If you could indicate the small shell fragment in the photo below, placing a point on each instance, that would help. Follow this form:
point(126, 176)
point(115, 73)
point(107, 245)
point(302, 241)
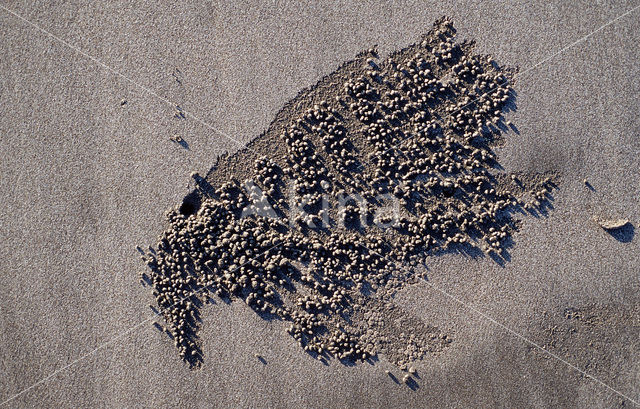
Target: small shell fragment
point(611, 224)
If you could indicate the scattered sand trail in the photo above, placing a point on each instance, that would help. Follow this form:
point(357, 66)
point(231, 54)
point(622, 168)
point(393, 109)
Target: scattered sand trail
point(384, 159)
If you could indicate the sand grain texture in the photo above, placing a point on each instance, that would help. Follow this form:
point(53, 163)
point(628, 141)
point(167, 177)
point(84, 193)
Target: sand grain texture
point(85, 179)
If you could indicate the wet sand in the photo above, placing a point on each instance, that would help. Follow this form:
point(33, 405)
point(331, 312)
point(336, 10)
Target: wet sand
point(86, 179)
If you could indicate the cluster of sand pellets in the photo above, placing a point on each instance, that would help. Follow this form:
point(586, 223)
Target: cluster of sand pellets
point(323, 218)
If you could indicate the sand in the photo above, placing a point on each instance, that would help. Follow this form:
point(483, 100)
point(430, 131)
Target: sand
point(85, 179)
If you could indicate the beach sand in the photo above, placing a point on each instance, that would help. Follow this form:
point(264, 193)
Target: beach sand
point(86, 178)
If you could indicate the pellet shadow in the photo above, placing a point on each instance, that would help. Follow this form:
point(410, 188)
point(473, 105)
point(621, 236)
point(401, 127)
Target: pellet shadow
point(412, 384)
point(183, 144)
